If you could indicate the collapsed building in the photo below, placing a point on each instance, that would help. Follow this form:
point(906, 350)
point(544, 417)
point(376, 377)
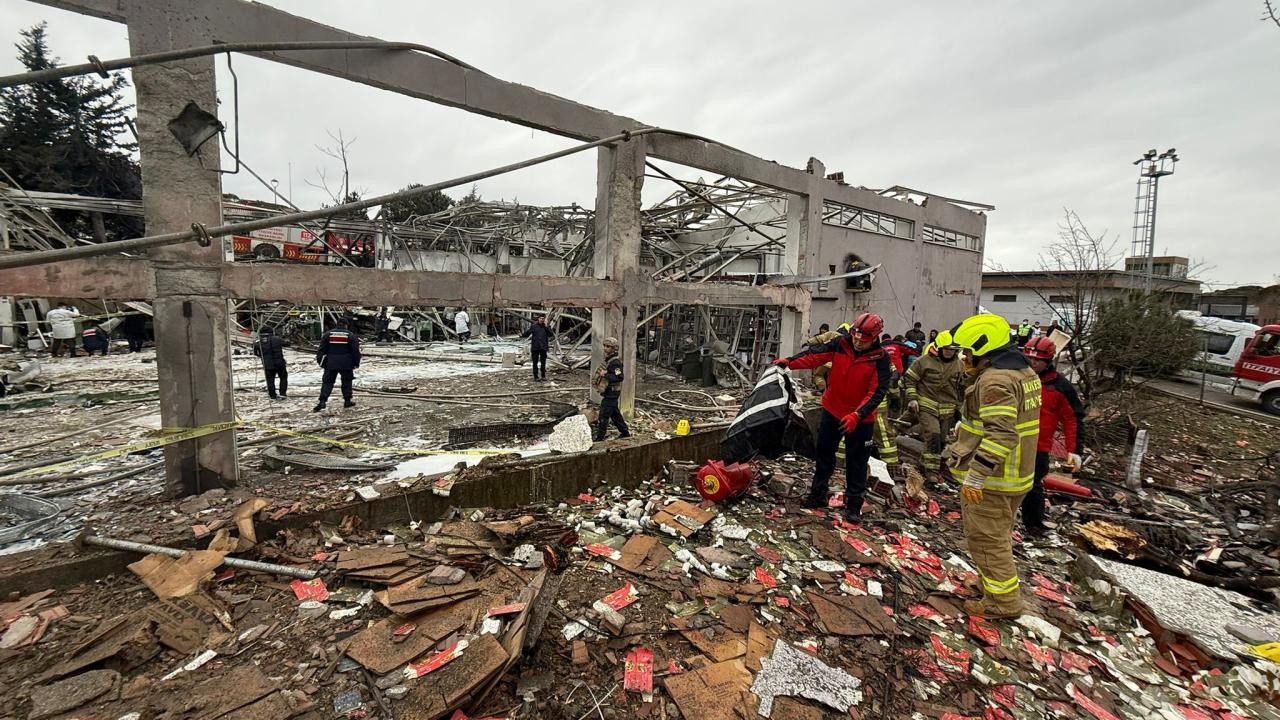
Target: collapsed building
point(192, 549)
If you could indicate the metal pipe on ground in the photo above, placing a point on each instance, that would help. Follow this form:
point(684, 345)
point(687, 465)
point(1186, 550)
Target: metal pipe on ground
point(146, 548)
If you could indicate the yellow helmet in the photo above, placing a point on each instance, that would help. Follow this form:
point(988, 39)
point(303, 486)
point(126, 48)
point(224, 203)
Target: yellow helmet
point(944, 339)
point(844, 327)
point(981, 334)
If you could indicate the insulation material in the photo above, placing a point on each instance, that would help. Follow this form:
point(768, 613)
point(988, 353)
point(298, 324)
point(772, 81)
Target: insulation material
point(790, 671)
point(1198, 611)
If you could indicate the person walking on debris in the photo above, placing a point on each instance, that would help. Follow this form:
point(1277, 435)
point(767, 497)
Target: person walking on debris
point(539, 344)
point(134, 327)
point(462, 324)
point(608, 382)
point(95, 339)
point(339, 354)
point(994, 456)
point(916, 335)
point(857, 384)
point(381, 325)
point(270, 347)
point(935, 388)
point(1060, 406)
point(62, 326)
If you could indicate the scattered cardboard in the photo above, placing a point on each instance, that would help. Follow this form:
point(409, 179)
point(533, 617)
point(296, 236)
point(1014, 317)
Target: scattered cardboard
point(710, 693)
point(760, 641)
point(175, 577)
point(415, 596)
point(642, 554)
point(456, 684)
point(720, 647)
point(683, 517)
point(243, 517)
point(852, 616)
point(381, 650)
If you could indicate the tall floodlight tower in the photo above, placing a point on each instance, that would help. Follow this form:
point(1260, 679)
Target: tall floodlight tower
point(1151, 167)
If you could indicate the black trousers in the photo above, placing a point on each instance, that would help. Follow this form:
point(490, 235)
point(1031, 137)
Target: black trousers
point(326, 384)
point(1033, 502)
point(857, 450)
point(135, 342)
point(101, 350)
point(609, 411)
point(283, 374)
point(58, 343)
point(539, 361)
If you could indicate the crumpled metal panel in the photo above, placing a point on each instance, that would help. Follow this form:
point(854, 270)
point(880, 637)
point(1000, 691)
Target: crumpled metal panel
point(1197, 611)
point(33, 513)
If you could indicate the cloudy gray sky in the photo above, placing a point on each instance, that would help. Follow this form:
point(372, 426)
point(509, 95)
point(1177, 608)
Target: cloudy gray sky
point(1031, 107)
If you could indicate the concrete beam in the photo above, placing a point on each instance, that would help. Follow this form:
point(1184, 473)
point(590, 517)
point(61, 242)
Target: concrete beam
point(108, 278)
point(440, 81)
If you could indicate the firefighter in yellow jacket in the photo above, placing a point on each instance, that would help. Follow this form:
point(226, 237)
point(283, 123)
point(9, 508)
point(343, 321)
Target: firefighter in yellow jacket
point(935, 389)
point(994, 456)
point(823, 337)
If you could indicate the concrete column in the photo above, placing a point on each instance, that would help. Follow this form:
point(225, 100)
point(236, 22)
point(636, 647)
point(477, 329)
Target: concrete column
point(803, 243)
point(193, 348)
point(619, 177)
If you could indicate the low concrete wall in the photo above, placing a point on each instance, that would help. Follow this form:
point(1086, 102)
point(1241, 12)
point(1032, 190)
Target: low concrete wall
point(544, 479)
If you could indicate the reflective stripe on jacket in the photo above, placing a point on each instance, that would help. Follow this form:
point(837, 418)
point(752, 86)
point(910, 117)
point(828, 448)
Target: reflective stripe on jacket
point(936, 384)
point(1000, 425)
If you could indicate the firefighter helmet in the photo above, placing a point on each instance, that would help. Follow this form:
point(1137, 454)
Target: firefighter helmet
point(1041, 348)
point(982, 334)
point(944, 339)
point(867, 326)
point(844, 327)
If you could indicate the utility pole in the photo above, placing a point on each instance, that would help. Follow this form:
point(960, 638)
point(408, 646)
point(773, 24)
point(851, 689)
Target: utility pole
point(1151, 167)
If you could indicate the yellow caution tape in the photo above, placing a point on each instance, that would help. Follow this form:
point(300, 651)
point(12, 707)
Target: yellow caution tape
point(1270, 651)
point(169, 436)
point(364, 446)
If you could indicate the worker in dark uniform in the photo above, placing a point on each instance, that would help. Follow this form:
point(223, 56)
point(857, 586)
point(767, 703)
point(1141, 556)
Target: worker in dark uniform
point(339, 354)
point(270, 347)
point(539, 344)
point(134, 328)
point(608, 382)
point(95, 339)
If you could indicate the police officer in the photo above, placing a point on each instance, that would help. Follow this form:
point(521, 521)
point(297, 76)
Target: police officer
point(339, 354)
point(539, 344)
point(270, 347)
point(608, 382)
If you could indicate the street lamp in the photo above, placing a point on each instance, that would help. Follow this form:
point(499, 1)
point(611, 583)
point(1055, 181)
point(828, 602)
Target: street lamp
point(1152, 166)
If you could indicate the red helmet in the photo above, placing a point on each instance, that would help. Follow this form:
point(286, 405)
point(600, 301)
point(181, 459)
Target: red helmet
point(867, 327)
point(1041, 348)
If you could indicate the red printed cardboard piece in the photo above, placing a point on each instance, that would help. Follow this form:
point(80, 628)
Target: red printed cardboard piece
point(435, 662)
point(765, 579)
point(638, 675)
point(506, 609)
point(769, 554)
point(310, 589)
point(984, 631)
point(1092, 707)
point(621, 597)
point(603, 551)
point(859, 545)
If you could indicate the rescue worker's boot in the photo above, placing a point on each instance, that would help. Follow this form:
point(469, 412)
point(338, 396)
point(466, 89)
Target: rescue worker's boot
point(982, 609)
point(814, 501)
point(318, 407)
point(348, 403)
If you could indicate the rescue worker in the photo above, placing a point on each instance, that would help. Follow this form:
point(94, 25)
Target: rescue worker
point(339, 354)
point(539, 344)
point(916, 335)
point(608, 382)
point(1024, 332)
point(95, 339)
point(462, 324)
point(935, 388)
point(1060, 406)
point(994, 456)
point(270, 347)
point(824, 336)
point(134, 328)
point(858, 381)
point(62, 326)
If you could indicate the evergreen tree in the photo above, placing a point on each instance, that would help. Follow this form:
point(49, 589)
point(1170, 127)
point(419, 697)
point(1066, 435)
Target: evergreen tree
point(401, 210)
point(69, 136)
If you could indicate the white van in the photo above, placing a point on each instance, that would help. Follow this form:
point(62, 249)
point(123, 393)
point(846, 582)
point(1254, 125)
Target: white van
point(1221, 341)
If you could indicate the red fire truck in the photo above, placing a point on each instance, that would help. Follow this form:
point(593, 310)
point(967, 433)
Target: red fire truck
point(1258, 368)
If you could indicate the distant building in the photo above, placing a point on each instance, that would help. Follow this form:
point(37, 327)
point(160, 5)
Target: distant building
point(1045, 295)
point(1248, 303)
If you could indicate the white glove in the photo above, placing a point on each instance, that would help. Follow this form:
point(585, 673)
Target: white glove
point(1074, 462)
point(913, 406)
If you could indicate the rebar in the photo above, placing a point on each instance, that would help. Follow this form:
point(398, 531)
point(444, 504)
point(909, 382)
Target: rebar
point(253, 565)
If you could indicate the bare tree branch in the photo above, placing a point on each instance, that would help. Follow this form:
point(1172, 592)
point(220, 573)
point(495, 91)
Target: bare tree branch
point(1270, 13)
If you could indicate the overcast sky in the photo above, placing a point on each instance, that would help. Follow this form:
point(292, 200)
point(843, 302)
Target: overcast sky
point(1028, 106)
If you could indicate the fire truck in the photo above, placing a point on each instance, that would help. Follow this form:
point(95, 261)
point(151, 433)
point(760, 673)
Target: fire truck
point(1258, 368)
point(351, 240)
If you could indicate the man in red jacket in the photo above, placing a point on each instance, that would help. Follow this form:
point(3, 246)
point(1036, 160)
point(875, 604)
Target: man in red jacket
point(1060, 406)
point(858, 381)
